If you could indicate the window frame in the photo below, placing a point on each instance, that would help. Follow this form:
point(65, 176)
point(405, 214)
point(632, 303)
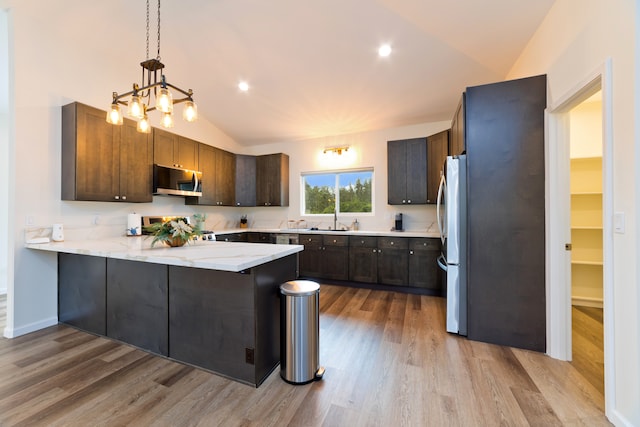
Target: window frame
point(337, 174)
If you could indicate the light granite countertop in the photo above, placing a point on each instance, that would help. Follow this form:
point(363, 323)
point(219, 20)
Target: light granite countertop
point(226, 256)
point(408, 233)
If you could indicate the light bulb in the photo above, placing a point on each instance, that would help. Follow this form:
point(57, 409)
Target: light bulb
point(190, 111)
point(384, 50)
point(143, 125)
point(167, 120)
point(135, 107)
point(164, 101)
point(114, 115)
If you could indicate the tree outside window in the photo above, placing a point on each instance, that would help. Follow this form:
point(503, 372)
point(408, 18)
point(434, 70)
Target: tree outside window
point(340, 192)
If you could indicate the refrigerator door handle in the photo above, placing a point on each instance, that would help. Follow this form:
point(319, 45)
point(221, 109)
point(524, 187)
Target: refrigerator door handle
point(439, 214)
point(442, 263)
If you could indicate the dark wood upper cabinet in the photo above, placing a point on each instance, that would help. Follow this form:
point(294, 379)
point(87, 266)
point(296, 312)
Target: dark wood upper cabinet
point(218, 176)
point(437, 151)
point(245, 180)
point(457, 137)
point(103, 162)
point(272, 180)
point(407, 171)
point(174, 150)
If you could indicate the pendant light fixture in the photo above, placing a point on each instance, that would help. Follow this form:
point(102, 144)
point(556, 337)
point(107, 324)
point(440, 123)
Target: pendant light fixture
point(154, 93)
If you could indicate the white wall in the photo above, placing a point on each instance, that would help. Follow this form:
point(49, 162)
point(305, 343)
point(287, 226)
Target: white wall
point(367, 150)
point(575, 40)
point(586, 130)
point(4, 145)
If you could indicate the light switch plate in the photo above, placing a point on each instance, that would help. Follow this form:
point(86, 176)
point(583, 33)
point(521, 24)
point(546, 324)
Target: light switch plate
point(618, 222)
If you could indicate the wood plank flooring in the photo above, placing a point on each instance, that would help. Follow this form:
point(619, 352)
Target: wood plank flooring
point(588, 344)
point(388, 360)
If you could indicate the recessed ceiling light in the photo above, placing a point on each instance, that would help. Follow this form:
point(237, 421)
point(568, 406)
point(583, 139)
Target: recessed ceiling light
point(243, 86)
point(384, 50)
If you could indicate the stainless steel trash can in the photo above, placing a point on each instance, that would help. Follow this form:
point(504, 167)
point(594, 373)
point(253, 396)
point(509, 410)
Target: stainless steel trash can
point(299, 332)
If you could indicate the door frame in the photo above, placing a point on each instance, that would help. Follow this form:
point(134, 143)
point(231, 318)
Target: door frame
point(558, 218)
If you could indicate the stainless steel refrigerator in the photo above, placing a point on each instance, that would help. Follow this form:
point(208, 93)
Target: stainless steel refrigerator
point(452, 224)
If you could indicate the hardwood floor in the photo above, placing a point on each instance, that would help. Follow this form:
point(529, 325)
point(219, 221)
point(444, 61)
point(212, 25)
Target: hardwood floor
point(388, 362)
point(587, 336)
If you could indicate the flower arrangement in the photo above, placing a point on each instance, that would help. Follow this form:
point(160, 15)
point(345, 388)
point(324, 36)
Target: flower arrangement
point(175, 232)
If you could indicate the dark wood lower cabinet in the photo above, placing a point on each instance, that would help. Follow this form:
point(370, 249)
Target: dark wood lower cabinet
point(137, 304)
point(311, 257)
point(393, 261)
point(423, 267)
point(363, 259)
point(324, 256)
point(226, 322)
point(82, 292)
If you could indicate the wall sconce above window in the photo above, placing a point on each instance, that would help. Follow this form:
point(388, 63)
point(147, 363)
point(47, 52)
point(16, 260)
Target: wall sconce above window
point(335, 150)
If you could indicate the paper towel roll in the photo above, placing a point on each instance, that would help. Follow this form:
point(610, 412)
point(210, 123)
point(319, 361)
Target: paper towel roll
point(134, 226)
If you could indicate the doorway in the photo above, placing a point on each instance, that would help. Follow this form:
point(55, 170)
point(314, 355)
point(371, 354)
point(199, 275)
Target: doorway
point(587, 336)
point(558, 234)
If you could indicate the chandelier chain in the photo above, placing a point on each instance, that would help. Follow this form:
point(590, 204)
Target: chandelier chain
point(158, 57)
point(147, 57)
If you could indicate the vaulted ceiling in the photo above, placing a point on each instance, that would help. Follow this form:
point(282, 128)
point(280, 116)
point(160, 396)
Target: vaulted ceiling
point(312, 65)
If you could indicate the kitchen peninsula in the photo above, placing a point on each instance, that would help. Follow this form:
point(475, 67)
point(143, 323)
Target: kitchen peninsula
point(214, 305)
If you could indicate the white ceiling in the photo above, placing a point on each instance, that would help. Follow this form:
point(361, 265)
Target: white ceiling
point(313, 65)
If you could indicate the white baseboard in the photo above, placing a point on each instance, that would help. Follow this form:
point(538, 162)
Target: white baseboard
point(587, 302)
point(32, 327)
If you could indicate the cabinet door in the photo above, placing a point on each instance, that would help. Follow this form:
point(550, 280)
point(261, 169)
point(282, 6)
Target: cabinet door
point(90, 155)
point(207, 163)
point(174, 150)
point(82, 292)
point(393, 261)
point(335, 257)
point(311, 257)
point(457, 142)
point(437, 151)
point(396, 172)
point(416, 171)
point(423, 267)
point(163, 143)
point(138, 305)
point(245, 182)
point(407, 171)
point(136, 164)
point(186, 153)
point(225, 177)
point(272, 180)
point(363, 259)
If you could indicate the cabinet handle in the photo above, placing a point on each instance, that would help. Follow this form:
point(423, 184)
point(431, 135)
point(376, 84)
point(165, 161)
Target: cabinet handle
point(374, 251)
point(117, 197)
point(124, 197)
point(409, 201)
point(410, 252)
point(237, 204)
point(334, 240)
point(404, 201)
point(392, 243)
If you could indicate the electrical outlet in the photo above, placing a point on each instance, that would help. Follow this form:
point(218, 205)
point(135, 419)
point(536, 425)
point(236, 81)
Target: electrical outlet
point(248, 352)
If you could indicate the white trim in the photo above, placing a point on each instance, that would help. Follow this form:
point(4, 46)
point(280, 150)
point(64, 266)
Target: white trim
point(31, 327)
point(587, 302)
point(558, 287)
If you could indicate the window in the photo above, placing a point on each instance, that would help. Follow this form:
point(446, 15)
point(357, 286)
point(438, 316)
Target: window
point(342, 192)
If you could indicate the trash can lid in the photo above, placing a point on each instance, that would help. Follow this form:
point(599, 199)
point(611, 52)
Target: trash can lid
point(299, 287)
